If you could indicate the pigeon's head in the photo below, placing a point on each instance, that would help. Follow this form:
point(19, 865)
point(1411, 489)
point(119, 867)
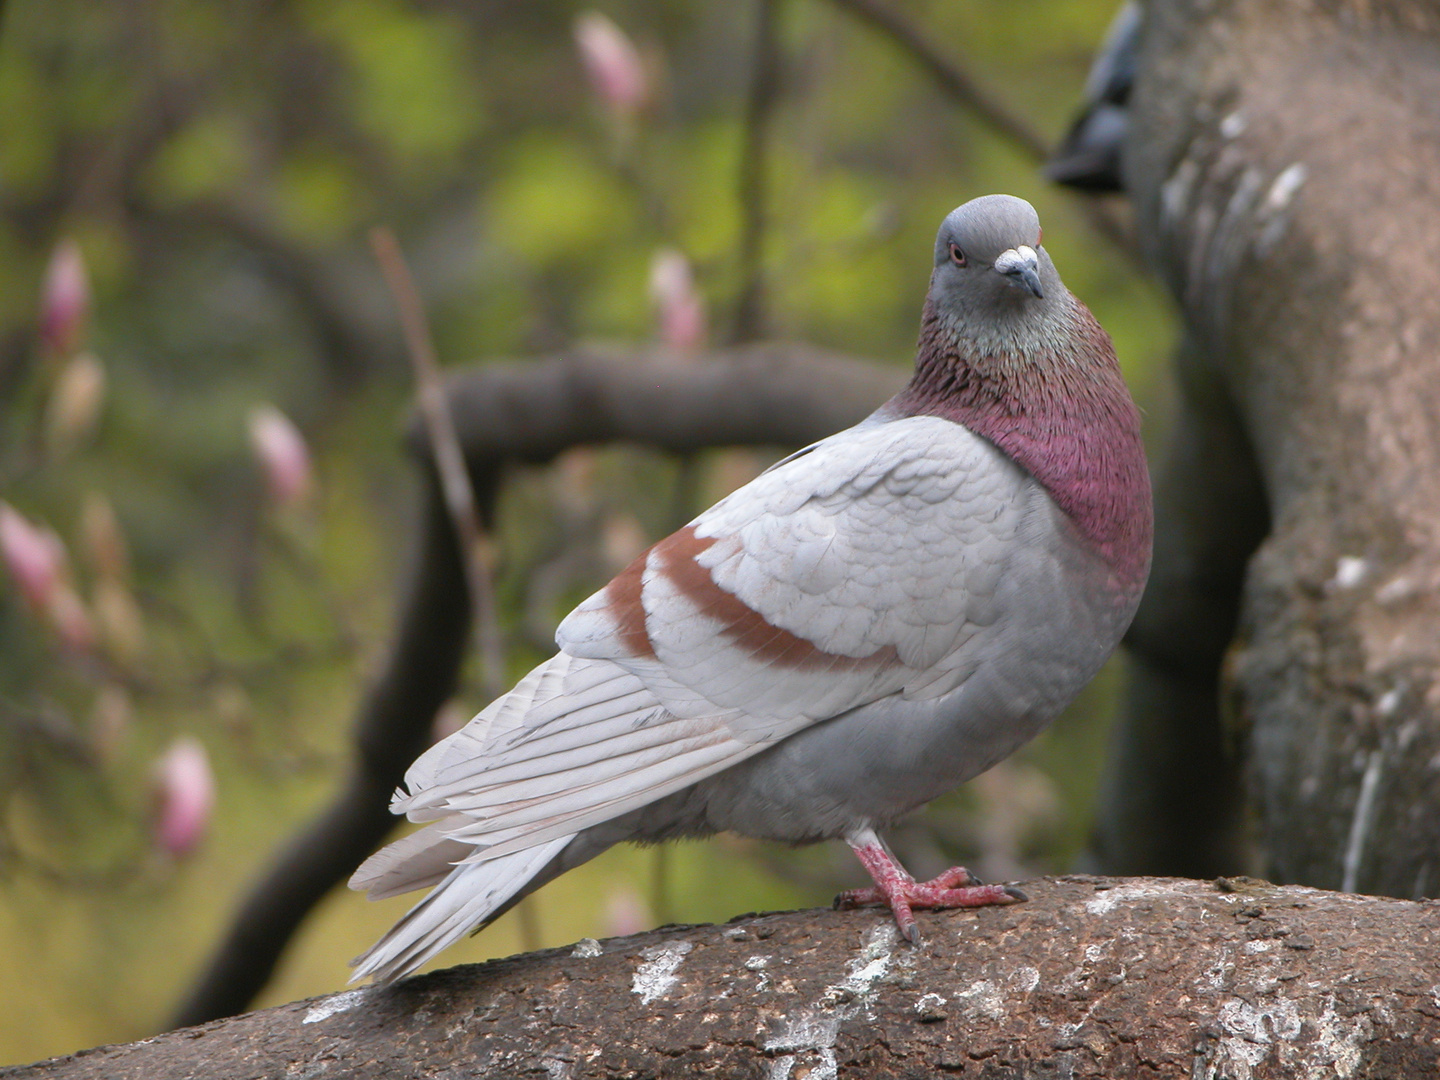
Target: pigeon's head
point(988, 259)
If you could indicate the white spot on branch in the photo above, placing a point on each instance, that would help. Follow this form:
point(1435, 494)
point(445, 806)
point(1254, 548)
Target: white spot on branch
point(1273, 209)
point(339, 1003)
point(1110, 899)
point(587, 947)
point(873, 961)
point(759, 964)
point(654, 978)
point(1024, 979)
point(1339, 1041)
point(1350, 571)
point(1253, 1029)
point(1285, 186)
point(982, 999)
point(805, 1031)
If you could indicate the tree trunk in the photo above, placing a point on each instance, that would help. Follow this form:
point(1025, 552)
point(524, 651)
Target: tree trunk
point(1093, 977)
point(1285, 167)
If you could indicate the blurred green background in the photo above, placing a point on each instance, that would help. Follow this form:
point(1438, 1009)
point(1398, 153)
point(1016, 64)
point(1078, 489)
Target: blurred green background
point(219, 166)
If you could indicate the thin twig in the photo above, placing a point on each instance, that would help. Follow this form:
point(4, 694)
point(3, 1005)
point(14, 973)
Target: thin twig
point(449, 459)
point(957, 81)
point(749, 322)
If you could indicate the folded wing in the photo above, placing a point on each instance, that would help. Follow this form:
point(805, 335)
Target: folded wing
point(859, 568)
point(863, 566)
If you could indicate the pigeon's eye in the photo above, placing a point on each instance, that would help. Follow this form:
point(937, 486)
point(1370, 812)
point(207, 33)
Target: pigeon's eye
point(956, 255)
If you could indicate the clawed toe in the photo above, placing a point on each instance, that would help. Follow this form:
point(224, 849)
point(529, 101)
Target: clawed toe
point(954, 888)
point(853, 898)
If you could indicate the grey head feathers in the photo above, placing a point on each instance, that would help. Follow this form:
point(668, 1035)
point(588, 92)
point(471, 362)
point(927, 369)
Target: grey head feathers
point(986, 227)
point(991, 275)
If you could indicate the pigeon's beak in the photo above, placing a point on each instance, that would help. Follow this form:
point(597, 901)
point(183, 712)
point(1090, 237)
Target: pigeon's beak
point(1021, 266)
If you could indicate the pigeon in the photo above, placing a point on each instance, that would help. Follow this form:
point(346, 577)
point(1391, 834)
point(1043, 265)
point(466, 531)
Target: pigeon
point(873, 620)
point(1089, 157)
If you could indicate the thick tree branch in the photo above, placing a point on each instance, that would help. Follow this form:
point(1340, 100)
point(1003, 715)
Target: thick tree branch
point(1093, 978)
point(1172, 801)
point(503, 413)
point(1281, 159)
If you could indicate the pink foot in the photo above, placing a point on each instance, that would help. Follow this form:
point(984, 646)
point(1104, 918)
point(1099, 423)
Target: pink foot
point(955, 888)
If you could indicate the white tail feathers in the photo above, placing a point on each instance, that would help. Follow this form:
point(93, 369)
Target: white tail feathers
point(577, 743)
point(466, 898)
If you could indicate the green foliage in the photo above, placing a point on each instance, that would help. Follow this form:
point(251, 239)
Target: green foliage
point(219, 166)
point(409, 79)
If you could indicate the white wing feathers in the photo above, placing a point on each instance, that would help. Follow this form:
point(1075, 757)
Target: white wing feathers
point(853, 570)
point(416, 861)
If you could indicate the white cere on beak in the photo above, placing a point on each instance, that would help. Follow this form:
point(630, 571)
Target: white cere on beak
point(1017, 260)
point(1021, 267)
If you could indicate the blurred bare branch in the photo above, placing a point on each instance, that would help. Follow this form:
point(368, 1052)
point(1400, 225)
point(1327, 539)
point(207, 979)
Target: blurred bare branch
point(955, 79)
point(953, 76)
point(448, 457)
point(749, 321)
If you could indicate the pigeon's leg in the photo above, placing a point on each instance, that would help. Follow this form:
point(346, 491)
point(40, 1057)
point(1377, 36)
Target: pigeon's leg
point(895, 887)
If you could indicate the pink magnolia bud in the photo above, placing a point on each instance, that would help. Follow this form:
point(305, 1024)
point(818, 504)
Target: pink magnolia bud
point(680, 308)
point(111, 719)
point(574, 480)
point(280, 449)
point(70, 618)
point(64, 299)
point(101, 538)
point(35, 557)
point(612, 62)
point(451, 717)
point(33, 554)
point(626, 913)
point(185, 797)
point(121, 622)
point(622, 539)
point(74, 404)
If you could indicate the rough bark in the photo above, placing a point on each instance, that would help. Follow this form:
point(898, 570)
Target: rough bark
point(504, 413)
point(1093, 977)
point(1285, 167)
